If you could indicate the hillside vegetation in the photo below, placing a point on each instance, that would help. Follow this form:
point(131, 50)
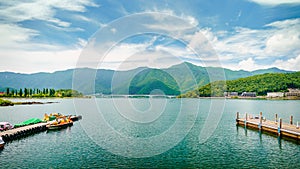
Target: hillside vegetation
point(148, 80)
point(261, 84)
point(182, 78)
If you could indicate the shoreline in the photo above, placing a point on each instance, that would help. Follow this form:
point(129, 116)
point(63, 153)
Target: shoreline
point(5, 103)
point(245, 98)
point(31, 103)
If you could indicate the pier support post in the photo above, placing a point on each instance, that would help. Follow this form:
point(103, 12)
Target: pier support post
point(279, 126)
point(276, 118)
point(291, 120)
point(246, 119)
point(237, 118)
point(260, 121)
point(297, 125)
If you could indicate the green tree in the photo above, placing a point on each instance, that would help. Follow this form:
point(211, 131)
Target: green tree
point(7, 91)
point(51, 92)
point(20, 92)
point(25, 92)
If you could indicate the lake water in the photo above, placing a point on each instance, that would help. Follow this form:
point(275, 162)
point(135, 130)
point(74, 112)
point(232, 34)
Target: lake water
point(152, 133)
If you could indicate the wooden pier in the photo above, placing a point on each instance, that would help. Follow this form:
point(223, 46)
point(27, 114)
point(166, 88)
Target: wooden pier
point(20, 132)
point(276, 127)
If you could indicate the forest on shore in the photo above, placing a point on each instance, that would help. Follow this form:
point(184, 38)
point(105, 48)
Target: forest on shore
point(45, 92)
point(261, 84)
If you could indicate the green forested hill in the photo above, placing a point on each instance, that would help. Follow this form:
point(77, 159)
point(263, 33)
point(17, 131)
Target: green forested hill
point(182, 78)
point(148, 80)
point(261, 84)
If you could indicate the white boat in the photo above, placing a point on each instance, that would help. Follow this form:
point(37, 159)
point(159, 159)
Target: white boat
point(2, 143)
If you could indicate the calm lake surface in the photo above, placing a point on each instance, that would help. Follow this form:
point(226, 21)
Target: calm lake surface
point(152, 133)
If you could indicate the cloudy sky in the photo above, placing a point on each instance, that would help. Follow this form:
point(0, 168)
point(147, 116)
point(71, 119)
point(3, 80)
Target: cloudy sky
point(51, 35)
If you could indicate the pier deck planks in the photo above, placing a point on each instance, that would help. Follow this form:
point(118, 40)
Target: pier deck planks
point(20, 129)
point(287, 130)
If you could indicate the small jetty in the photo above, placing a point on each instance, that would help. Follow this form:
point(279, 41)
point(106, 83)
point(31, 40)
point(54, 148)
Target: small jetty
point(276, 127)
point(17, 133)
point(35, 125)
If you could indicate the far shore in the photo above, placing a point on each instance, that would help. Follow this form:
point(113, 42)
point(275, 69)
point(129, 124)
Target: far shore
point(7, 101)
point(258, 98)
point(249, 98)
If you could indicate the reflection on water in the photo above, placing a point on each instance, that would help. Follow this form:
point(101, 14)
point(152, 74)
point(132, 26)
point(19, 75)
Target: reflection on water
point(279, 142)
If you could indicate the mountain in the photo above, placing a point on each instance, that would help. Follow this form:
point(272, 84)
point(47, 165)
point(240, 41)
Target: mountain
point(261, 84)
point(148, 80)
point(172, 81)
point(270, 70)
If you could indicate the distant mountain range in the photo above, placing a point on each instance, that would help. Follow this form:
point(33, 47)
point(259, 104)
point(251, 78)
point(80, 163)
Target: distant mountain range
point(171, 81)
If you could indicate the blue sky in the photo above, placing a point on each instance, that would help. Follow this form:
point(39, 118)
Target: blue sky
point(50, 35)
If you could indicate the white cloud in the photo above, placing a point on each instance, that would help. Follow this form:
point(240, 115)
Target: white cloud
point(125, 56)
point(201, 41)
point(66, 29)
point(20, 53)
point(16, 38)
point(167, 19)
point(113, 30)
point(276, 40)
point(285, 23)
point(245, 48)
point(292, 63)
point(249, 65)
point(188, 18)
point(12, 34)
point(90, 20)
point(81, 43)
point(38, 61)
point(275, 2)
point(144, 58)
point(285, 37)
point(153, 53)
point(44, 10)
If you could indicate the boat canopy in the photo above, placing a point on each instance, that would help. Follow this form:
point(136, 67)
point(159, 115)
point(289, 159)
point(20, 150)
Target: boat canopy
point(29, 122)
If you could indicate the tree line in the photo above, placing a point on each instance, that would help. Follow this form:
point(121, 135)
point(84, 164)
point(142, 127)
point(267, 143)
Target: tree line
point(45, 92)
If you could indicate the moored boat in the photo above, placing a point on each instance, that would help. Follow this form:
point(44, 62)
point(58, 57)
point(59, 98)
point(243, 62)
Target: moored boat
point(60, 123)
point(75, 118)
point(59, 126)
point(2, 143)
point(5, 126)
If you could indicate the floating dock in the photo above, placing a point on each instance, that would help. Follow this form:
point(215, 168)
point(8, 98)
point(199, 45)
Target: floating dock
point(24, 131)
point(276, 127)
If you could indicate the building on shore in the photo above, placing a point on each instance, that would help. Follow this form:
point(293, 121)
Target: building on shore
point(248, 94)
point(230, 94)
point(293, 92)
point(275, 94)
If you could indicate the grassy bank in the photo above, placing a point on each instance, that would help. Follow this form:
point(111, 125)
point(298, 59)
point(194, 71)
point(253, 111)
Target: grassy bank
point(6, 103)
point(10, 103)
